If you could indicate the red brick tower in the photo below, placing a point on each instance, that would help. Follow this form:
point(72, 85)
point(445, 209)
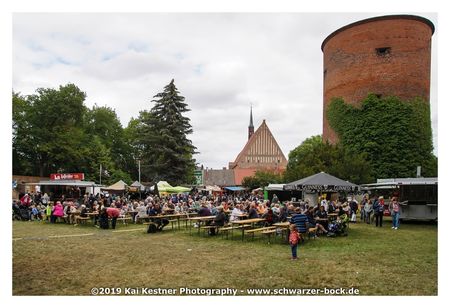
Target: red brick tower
point(386, 55)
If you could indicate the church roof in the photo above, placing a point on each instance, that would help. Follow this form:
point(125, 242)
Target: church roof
point(261, 149)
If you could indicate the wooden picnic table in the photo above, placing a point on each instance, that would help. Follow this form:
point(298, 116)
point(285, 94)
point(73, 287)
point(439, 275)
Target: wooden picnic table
point(199, 219)
point(251, 221)
point(332, 216)
point(241, 216)
point(284, 225)
point(177, 216)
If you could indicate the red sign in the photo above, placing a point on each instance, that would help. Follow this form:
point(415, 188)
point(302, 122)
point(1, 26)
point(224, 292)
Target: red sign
point(67, 176)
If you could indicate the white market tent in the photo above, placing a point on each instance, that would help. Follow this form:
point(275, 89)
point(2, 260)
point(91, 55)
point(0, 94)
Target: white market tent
point(118, 186)
point(138, 185)
point(212, 188)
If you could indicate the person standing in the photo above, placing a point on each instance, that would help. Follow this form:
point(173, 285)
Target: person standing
point(58, 211)
point(48, 211)
point(45, 199)
point(354, 209)
point(395, 212)
point(378, 209)
point(294, 238)
point(368, 211)
point(113, 213)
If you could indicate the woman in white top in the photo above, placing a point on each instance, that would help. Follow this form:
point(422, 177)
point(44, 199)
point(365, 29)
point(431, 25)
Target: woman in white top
point(235, 212)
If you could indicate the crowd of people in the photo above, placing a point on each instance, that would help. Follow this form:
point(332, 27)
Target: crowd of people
point(227, 207)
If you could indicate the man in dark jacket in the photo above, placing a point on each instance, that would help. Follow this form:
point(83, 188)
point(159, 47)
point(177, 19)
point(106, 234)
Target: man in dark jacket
point(204, 211)
point(219, 220)
point(252, 213)
point(153, 213)
point(378, 210)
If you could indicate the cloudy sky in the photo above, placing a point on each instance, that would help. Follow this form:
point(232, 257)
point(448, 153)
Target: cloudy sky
point(221, 63)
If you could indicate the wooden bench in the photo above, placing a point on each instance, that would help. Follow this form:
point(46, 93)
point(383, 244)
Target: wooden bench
point(142, 219)
point(312, 231)
point(172, 221)
point(269, 233)
point(230, 227)
point(207, 228)
point(125, 219)
point(253, 231)
point(259, 229)
point(81, 220)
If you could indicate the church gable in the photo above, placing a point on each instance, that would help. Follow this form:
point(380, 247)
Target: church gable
point(261, 151)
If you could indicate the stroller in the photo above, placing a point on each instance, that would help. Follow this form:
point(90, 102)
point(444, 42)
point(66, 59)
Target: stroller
point(20, 213)
point(338, 227)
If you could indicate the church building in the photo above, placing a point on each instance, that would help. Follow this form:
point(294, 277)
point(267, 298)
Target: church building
point(261, 152)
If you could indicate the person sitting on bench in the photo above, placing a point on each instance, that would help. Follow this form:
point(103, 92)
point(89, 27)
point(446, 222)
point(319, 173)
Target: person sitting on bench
point(153, 213)
point(219, 220)
point(300, 220)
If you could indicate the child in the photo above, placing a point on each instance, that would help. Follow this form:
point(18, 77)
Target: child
point(294, 237)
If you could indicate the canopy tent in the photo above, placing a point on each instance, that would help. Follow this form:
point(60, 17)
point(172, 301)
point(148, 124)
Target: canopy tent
point(137, 186)
point(234, 188)
point(323, 182)
point(276, 187)
point(69, 188)
point(211, 188)
point(177, 189)
point(118, 186)
point(163, 186)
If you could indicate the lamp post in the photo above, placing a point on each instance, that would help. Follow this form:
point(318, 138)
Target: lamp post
point(100, 174)
point(139, 177)
point(139, 170)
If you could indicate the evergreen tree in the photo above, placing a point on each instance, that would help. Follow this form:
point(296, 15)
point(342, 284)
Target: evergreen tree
point(167, 152)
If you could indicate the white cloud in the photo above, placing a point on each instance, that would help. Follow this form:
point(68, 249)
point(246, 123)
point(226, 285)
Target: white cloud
point(220, 62)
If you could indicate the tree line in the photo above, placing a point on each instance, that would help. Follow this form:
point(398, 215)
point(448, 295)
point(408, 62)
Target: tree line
point(55, 132)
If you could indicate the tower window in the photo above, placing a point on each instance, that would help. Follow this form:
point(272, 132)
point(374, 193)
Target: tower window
point(383, 51)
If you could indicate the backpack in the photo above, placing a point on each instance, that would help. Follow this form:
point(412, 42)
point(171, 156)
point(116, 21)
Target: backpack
point(293, 238)
point(152, 228)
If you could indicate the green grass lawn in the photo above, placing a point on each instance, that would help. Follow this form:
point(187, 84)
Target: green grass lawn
point(378, 261)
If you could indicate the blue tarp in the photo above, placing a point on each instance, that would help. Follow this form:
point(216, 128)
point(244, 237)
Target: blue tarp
point(234, 188)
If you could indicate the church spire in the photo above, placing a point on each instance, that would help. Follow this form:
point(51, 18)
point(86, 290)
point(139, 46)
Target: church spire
point(251, 128)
